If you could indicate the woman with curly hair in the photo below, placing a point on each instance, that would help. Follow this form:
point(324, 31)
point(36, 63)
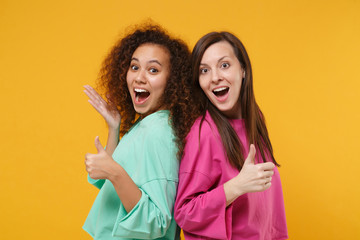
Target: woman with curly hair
point(228, 164)
point(146, 78)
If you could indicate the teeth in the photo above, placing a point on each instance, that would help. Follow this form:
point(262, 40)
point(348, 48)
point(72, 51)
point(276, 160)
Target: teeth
point(139, 90)
point(219, 89)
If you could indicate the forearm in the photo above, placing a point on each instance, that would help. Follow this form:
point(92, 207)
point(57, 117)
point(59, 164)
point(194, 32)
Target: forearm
point(112, 141)
point(125, 187)
point(231, 191)
point(151, 218)
point(200, 214)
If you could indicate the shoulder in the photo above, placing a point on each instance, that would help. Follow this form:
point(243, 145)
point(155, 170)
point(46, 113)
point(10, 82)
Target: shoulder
point(156, 119)
point(204, 150)
point(152, 134)
point(203, 129)
point(157, 126)
point(156, 147)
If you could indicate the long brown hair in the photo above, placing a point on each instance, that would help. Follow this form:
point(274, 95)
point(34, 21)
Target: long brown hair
point(177, 97)
point(256, 130)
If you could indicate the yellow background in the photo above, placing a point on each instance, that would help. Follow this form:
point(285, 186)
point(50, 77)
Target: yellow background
point(305, 56)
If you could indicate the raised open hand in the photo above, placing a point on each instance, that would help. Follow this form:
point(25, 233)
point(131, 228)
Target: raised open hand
point(107, 110)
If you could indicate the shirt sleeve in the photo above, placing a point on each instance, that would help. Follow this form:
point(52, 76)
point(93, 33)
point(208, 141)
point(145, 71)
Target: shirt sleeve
point(152, 215)
point(158, 168)
point(200, 207)
point(96, 182)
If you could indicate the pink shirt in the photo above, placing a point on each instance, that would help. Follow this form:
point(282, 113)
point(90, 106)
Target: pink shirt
point(200, 207)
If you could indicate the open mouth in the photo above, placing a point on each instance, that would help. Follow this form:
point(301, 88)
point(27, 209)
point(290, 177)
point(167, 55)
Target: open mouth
point(141, 95)
point(220, 92)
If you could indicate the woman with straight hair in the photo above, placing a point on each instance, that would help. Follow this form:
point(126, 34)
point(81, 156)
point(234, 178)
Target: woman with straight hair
point(146, 78)
point(229, 185)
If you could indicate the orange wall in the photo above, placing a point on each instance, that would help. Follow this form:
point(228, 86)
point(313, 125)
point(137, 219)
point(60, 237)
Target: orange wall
point(305, 56)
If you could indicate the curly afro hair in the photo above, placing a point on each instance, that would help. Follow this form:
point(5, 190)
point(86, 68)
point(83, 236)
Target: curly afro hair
point(178, 92)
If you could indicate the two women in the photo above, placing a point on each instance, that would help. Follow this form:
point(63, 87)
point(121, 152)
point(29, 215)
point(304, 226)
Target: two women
point(227, 164)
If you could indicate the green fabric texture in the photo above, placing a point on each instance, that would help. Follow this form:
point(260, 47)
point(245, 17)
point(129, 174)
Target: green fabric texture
point(148, 154)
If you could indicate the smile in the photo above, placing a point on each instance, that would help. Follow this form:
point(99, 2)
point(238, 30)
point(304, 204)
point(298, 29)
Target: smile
point(141, 95)
point(221, 93)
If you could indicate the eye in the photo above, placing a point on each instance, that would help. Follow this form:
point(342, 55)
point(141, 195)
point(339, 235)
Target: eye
point(225, 65)
point(134, 67)
point(203, 70)
point(153, 70)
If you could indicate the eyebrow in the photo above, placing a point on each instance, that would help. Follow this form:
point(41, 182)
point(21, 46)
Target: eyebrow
point(217, 61)
point(151, 61)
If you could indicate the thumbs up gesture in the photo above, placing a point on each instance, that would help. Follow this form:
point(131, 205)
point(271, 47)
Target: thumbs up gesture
point(99, 165)
point(254, 177)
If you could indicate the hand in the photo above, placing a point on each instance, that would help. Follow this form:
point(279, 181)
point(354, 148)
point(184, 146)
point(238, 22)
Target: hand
point(254, 177)
point(107, 110)
point(100, 165)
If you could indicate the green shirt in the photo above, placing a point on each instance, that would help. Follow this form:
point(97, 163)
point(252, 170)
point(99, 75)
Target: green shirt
point(148, 154)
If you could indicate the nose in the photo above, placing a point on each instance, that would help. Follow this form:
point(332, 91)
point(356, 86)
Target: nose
point(215, 77)
point(140, 77)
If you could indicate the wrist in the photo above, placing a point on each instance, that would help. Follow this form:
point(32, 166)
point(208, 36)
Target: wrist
point(232, 190)
point(233, 187)
point(238, 186)
point(115, 172)
point(114, 128)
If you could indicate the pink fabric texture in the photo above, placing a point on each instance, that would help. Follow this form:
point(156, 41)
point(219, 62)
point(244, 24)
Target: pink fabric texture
point(200, 207)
